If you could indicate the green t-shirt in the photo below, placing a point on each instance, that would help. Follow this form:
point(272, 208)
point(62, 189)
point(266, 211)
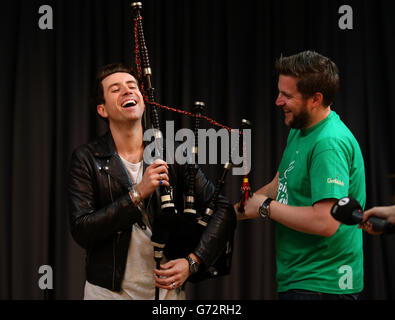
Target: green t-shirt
point(321, 162)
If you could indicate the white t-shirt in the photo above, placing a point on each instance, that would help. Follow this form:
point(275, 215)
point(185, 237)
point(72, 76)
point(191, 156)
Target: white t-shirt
point(138, 282)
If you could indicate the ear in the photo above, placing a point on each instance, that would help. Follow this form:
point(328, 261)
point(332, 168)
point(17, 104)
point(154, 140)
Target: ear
point(102, 111)
point(317, 99)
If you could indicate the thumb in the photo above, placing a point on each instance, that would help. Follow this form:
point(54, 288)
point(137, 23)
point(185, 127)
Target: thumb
point(366, 215)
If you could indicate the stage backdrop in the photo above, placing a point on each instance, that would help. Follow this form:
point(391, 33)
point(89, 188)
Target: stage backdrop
point(220, 52)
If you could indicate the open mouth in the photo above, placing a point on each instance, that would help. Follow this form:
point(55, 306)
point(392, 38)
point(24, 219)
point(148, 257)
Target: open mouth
point(128, 103)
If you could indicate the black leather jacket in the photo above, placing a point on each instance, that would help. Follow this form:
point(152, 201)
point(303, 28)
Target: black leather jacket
point(102, 214)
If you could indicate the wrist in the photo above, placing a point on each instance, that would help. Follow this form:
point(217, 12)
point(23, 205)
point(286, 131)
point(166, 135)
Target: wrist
point(138, 188)
point(264, 208)
point(195, 257)
point(193, 263)
point(135, 196)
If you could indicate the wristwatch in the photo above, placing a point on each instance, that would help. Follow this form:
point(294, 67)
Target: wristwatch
point(264, 209)
point(193, 265)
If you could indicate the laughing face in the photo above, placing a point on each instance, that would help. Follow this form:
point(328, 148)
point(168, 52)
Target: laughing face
point(123, 99)
point(295, 107)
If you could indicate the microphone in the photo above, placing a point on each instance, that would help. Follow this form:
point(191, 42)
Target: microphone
point(348, 211)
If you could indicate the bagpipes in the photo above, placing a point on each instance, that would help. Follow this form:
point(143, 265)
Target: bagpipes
point(193, 223)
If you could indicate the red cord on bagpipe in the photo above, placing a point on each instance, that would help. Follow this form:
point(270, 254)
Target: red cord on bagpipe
point(245, 187)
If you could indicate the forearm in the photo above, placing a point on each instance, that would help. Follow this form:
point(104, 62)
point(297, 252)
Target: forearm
point(222, 223)
point(217, 233)
point(304, 219)
point(91, 226)
point(314, 219)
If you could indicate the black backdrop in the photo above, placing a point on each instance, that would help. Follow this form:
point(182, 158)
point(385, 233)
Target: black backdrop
point(221, 52)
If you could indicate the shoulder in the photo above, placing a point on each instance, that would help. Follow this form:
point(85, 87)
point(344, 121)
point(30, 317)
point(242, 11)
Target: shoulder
point(336, 135)
point(336, 128)
point(83, 150)
point(99, 146)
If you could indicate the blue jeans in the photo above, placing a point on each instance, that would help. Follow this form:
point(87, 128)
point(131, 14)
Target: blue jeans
point(298, 294)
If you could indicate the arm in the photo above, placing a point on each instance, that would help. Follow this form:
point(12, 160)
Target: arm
point(315, 219)
point(222, 223)
point(90, 224)
point(328, 159)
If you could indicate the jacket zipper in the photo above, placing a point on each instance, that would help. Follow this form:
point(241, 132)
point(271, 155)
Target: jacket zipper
point(109, 187)
point(116, 240)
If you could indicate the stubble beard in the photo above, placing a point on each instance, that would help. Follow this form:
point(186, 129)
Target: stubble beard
point(301, 120)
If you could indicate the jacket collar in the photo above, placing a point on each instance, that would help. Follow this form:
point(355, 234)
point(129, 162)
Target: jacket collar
point(104, 146)
point(105, 150)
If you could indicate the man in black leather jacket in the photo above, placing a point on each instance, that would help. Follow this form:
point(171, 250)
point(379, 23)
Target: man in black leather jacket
point(114, 199)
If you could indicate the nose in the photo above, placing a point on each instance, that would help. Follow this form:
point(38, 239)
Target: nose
point(279, 100)
point(126, 90)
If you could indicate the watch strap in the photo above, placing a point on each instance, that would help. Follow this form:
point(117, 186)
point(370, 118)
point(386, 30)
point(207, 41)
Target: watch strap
point(264, 209)
point(193, 264)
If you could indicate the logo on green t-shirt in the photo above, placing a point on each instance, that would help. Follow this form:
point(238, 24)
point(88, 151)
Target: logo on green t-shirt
point(282, 184)
point(339, 182)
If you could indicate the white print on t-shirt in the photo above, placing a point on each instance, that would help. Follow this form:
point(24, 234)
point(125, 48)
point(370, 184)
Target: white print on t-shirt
point(336, 180)
point(282, 185)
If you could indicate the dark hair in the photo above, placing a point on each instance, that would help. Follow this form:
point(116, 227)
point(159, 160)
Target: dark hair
point(106, 71)
point(315, 72)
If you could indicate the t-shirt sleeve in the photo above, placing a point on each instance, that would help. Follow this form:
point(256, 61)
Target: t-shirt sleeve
point(329, 171)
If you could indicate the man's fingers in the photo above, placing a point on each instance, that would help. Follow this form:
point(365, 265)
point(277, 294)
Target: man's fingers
point(166, 267)
point(166, 277)
point(163, 176)
point(169, 284)
point(159, 162)
point(160, 169)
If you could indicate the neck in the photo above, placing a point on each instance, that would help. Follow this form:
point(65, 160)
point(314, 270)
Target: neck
point(128, 140)
point(318, 116)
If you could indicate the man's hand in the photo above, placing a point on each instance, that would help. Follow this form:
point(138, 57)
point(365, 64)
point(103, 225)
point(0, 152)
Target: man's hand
point(155, 175)
point(387, 213)
point(172, 274)
point(251, 207)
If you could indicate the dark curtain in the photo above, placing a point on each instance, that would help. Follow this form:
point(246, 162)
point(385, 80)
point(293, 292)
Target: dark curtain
point(220, 52)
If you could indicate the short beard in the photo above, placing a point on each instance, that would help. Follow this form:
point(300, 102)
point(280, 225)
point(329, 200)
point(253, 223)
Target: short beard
point(300, 121)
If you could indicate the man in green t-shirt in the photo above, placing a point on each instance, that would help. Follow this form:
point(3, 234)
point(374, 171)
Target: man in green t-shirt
point(317, 257)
